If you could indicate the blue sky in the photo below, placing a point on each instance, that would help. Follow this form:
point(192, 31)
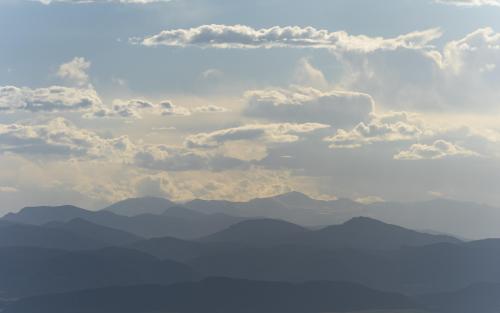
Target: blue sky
point(380, 100)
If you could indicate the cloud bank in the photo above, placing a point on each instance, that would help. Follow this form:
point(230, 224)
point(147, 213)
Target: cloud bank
point(246, 37)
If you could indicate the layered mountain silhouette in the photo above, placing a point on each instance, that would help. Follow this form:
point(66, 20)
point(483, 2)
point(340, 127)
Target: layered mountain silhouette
point(13, 235)
point(218, 295)
point(477, 298)
point(99, 233)
point(259, 232)
point(439, 215)
point(137, 206)
point(414, 270)
point(28, 271)
point(282, 254)
point(143, 225)
point(358, 233)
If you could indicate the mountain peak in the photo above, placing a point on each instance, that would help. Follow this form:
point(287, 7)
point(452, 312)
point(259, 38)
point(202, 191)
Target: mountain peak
point(292, 195)
point(45, 214)
point(137, 206)
point(257, 231)
point(364, 220)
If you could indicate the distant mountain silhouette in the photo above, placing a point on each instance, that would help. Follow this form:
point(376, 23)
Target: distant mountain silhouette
point(30, 271)
point(38, 236)
point(358, 233)
point(106, 235)
point(439, 215)
point(137, 206)
point(258, 231)
point(424, 269)
point(45, 214)
point(170, 248)
point(445, 216)
point(367, 233)
point(143, 225)
point(220, 295)
point(182, 212)
point(477, 298)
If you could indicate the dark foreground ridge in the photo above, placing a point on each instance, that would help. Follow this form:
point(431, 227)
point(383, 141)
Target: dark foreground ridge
point(220, 295)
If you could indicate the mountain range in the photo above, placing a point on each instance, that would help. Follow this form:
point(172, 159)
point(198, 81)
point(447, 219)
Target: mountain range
point(218, 295)
point(288, 253)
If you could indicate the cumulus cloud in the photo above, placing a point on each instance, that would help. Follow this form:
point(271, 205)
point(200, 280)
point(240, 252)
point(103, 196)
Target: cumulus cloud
point(169, 108)
point(245, 37)
point(59, 137)
point(75, 71)
point(237, 185)
point(470, 3)
point(132, 108)
point(211, 108)
point(394, 126)
point(271, 133)
point(461, 76)
point(299, 104)
point(167, 158)
point(476, 51)
point(136, 108)
point(439, 149)
point(51, 99)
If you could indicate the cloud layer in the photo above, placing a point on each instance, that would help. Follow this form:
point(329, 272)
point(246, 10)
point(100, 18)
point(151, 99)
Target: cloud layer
point(298, 104)
point(59, 138)
point(51, 99)
point(246, 37)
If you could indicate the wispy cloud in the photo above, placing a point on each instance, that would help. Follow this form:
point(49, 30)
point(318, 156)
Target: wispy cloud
point(470, 3)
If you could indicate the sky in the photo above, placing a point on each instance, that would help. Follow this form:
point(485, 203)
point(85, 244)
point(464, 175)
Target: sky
point(394, 100)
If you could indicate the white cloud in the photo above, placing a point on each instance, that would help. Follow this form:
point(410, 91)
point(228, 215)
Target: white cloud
point(307, 75)
point(271, 133)
point(370, 199)
point(299, 104)
point(395, 126)
point(8, 189)
point(60, 138)
point(470, 3)
point(132, 108)
point(75, 71)
point(237, 185)
point(439, 149)
point(212, 73)
point(169, 108)
point(51, 99)
point(245, 37)
point(136, 108)
point(211, 108)
point(462, 77)
point(475, 52)
point(169, 158)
